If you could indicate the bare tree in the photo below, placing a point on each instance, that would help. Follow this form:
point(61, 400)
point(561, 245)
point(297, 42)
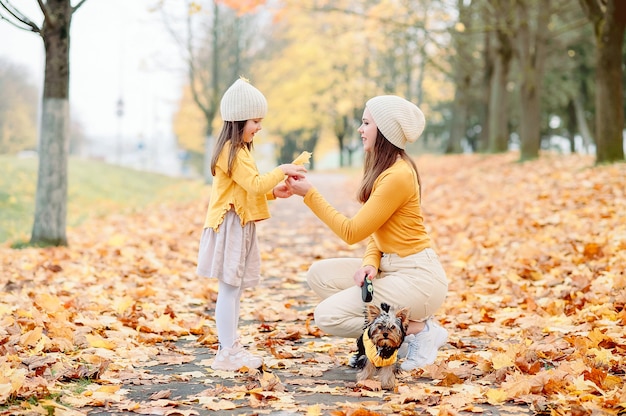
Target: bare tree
point(49, 226)
point(216, 47)
point(531, 45)
point(462, 74)
point(609, 21)
point(500, 50)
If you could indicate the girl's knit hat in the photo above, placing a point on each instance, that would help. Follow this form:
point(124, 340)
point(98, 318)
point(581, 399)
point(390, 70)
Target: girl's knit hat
point(242, 101)
point(399, 120)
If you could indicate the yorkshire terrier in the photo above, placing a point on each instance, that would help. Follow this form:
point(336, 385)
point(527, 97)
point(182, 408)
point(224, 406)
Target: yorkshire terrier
point(383, 334)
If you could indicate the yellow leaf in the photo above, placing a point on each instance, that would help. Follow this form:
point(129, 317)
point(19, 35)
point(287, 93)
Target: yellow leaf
point(315, 410)
point(304, 157)
point(117, 240)
point(501, 360)
point(32, 337)
point(211, 404)
point(5, 392)
point(580, 385)
point(121, 305)
point(603, 356)
point(96, 341)
point(49, 303)
point(108, 389)
point(496, 396)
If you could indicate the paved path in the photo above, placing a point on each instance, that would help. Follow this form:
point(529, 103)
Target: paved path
point(181, 382)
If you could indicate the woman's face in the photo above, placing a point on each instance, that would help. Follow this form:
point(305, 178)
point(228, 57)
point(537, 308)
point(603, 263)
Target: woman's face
point(250, 129)
point(368, 131)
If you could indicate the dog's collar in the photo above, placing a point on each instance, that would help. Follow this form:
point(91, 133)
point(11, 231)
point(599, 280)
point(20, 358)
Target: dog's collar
point(372, 353)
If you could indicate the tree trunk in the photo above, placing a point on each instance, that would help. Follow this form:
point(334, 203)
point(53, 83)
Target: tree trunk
point(209, 143)
point(609, 84)
point(51, 195)
point(531, 47)
point(488, 58)
point(498, 138)
point(463, 80)
point(570, 126)
point(581, 122)
point(211, 110)
point(342, 123)
point(459, 117)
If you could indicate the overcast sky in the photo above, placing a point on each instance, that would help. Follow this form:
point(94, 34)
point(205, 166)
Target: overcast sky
point(119, 49)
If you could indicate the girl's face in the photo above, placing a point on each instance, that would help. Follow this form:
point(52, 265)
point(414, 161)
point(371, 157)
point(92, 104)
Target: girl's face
point(250, 129)
point(368, 131)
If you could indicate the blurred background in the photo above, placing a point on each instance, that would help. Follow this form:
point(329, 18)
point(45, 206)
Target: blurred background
point(126, 79)
point(146, 76)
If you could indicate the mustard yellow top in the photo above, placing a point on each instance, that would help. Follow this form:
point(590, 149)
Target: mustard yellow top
point(246, 190)
point(391, 217)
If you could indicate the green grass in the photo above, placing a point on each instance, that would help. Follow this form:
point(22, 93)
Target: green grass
point(94, 189)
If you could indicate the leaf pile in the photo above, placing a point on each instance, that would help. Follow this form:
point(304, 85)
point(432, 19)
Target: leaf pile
point(535, 254)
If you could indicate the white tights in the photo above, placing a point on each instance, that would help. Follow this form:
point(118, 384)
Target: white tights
point(227, 313)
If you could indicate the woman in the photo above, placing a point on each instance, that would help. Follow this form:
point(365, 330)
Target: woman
point(399, 257)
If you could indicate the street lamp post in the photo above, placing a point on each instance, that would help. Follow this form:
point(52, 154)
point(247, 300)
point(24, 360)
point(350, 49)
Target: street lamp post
point(119, 111)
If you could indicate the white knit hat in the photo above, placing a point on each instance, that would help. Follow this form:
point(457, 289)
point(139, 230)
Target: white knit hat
point(242, 101)
point(399, 120)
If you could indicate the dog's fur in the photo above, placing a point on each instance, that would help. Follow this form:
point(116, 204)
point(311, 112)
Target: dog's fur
point(386, 329)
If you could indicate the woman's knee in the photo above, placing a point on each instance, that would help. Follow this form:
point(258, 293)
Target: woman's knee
point(315, 275)
point(323, 320)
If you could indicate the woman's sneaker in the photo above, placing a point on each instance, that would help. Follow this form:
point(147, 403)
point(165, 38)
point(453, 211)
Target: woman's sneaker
point(404, 348)
point(232, 359)
point(354, 360)
point(423, 347)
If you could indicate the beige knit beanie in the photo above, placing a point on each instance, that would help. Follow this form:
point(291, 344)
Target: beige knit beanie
point(399, 120)
point(242, 101)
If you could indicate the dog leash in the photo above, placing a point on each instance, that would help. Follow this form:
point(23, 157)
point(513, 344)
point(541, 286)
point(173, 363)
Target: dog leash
point(367, 289)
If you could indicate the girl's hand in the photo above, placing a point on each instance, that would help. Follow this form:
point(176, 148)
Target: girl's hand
point(291, 170)
point(359, 275)
point(298, 186)
point(282, 191)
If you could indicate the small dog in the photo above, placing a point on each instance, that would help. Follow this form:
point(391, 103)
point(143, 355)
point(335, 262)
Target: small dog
point(378, 347)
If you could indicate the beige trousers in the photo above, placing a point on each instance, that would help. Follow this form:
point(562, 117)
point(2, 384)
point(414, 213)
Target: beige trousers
point(417, 281)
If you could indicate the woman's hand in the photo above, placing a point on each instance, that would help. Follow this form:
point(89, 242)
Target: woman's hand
point(282, 191)
point(359, 275)
point(298, 186)
point(291, 170)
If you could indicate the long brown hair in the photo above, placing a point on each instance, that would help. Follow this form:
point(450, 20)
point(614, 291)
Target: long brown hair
point(231, 131)
point(383, 155)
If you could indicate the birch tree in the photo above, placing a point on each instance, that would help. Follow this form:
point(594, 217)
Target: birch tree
point(49, 227)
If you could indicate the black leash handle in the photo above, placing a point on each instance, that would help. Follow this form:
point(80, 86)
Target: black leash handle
point(367, 290)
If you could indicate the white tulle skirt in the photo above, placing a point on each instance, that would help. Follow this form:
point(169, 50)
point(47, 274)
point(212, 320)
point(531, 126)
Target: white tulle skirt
point(231, 254)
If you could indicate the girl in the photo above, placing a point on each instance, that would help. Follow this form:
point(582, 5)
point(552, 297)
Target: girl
point(228, 246)
point(399, 254)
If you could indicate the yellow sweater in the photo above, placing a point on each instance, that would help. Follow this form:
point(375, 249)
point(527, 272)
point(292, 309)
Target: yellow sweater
point(391, 217)
point(246, 190)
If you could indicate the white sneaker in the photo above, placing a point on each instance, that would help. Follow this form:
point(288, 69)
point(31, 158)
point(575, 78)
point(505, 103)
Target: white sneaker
point(352, 362)
point(404, 348)
point(422, 349)
point(232, 359)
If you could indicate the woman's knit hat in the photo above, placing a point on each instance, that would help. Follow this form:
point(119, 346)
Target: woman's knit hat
point(399, 120)
point(242, 101)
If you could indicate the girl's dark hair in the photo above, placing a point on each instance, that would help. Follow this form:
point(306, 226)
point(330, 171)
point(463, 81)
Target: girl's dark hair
point(231, 131)
point(382, 156)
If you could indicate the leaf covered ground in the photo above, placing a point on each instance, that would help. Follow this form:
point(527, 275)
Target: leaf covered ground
point(535, 254)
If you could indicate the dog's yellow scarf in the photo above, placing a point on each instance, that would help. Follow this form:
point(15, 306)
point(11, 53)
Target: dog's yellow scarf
point(372, 353)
